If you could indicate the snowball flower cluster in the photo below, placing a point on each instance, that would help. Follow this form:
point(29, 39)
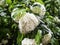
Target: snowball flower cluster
point(27, 41)
point(28, 23)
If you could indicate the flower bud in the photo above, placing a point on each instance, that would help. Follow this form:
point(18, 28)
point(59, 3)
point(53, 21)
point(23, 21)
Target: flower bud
point(17, 14)
point(46, 39)
point(2, 2)
point(38, 9)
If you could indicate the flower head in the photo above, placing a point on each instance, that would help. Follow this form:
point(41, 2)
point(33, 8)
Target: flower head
point(27, 41)
point(28, 23)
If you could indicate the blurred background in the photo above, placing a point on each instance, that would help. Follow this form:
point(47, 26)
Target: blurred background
point(9, 31)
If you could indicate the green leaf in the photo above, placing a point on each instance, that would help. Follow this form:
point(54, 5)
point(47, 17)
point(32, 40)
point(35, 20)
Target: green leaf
point(38, 37)
point(11, 7)
point(19, 38)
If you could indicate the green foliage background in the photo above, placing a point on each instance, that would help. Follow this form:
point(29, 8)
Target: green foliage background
point(9, 29)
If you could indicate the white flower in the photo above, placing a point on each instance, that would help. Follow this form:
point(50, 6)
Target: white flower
point(28, 23)
point(17, 14)
point(46, 39)
point(38, 9)
point(27, 41)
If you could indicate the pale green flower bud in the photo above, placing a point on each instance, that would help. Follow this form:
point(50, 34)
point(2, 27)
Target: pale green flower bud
point(38, 9)
point(17, 14)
